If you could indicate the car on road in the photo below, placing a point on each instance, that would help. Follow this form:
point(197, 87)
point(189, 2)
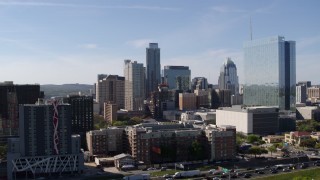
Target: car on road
point(247, 175)
point(286, 170)
point(224, 175)
point(151, 169)
point(260, 172)
point(304, 165)
point(216, 178)
point(274, 171)
point(240, 173)
point(167, 176)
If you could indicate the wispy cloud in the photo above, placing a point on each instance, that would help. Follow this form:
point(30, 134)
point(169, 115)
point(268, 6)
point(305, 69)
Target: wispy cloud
point(68, 5)
point(139, 43)
point(227, 9)
point(89, 46)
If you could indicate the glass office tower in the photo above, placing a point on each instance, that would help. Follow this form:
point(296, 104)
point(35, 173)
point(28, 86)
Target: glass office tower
point(270, 72)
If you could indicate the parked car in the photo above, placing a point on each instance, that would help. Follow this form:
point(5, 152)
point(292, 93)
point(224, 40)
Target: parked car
point(247, 175)
point(274, 171)
point(286, 170)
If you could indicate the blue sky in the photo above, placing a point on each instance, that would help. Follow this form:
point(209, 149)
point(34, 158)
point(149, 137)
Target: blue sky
point(71, 41)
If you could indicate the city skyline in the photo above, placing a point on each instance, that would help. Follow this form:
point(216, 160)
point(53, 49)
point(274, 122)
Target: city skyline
point(55, 42)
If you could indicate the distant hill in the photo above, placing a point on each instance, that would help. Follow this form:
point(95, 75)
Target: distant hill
point(52, 90)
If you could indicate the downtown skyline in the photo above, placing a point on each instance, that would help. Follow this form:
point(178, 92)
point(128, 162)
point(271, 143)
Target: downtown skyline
point(58, 42)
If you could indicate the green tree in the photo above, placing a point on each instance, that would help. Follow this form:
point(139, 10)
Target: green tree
point(317, 146)
point(253, 138)
point(272, 149)
point(256, 150)
point(3, 152)
point(310, 143)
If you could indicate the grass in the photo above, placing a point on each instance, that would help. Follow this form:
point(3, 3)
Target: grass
point(307, 174)
point(161, 173)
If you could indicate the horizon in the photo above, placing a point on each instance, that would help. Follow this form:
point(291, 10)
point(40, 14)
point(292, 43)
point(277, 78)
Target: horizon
point(59, 42)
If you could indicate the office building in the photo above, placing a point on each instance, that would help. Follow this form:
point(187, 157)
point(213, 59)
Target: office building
point(134, 74)
point(11, 95)
point(110, 112)
point(301, 94)
point(153, 67)
point(270, 73)
point(187, 101)
point(202, 98)
point(224, 97)
point(46, 145)
point(82, 115)
point(250, 120)
point(306, 83)
point(161, 100)
point(199, 83)
point(110, 89)
point(313, 93)
point(228, 78)
point(177, 77)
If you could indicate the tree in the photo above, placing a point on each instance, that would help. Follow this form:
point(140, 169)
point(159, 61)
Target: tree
point(3, 152)
point(317, 146)
point(256, 150)
point(253, 138)
point(272, 149)
point(310, 143)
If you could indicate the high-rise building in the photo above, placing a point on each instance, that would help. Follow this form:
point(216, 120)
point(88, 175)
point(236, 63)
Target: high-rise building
point(187, 101)
point(153, 67)
point(306, 83)
point(45, 143)
point(134, 74)
point(228, 78)
point(301, 94)
point(82, 115)
point(199, 83)
point(110, 89)
point(177, 77)
point(110, 112)
point(11, 95)
point(270, 72)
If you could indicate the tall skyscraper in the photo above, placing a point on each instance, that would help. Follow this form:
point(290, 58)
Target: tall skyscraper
point(228, 78)
point(110, 89)
point(153, 77)
point(134, 74)
point(177, 77)
point(270, 72)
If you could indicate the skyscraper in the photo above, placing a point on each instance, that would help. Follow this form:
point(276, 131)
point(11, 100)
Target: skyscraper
point(228, 78)
point(134, 74)
point(270, 72)
point(177, 77)
point(199, 83)
point(153, 77)
point(110, 89)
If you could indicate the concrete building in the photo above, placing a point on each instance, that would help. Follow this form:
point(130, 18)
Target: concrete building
point(250, 120)
point(199, 83)
point(308, 112)
point(301, 94)
point(270, 73)
point(313, 94)
point(177, 77)
point(105, 142)
point(202, 98)
point(187, 101)
point(273, 139)
point(134, 74)
point(46, 142)
point(110, 112)
point(228, 78)
point(110, 88)
point(153, 67)
point(82, 115)
point(305, 83)
point(237, 99)
point(122, 160)
point(161, 100)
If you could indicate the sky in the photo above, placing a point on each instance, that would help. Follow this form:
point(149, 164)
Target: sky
point(71, 41)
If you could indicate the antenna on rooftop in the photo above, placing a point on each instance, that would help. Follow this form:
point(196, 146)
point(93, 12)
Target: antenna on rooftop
point(250, 29)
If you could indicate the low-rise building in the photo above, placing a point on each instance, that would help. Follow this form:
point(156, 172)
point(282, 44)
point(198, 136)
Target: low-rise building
point(308, 112)
point(273, 139)
point(261, 120)
point(122, 160)
point(295, 138)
